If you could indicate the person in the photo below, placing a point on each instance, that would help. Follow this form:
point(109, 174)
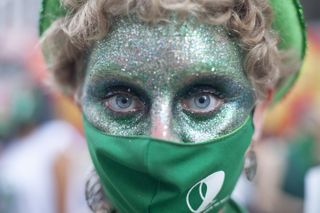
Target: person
point(38, 172)
point(171, 93)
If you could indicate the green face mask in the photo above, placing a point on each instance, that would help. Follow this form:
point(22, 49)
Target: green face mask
point(143, 174)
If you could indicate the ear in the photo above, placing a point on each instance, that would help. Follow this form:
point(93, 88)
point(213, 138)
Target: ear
point(258, 115)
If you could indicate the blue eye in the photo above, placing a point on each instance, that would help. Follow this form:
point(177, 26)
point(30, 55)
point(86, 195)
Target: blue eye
point(201, 103)
point(122, 102)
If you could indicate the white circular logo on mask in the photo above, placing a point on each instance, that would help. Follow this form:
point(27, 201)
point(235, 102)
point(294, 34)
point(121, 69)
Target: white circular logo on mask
point(213, 184)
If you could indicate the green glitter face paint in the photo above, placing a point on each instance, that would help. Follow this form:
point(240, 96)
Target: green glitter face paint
point(176, 81)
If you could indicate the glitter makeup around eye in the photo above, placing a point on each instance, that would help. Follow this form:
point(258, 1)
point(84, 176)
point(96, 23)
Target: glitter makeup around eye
point(163, 59)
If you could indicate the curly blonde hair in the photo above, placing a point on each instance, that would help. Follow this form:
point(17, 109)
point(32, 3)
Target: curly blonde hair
point(66, 41)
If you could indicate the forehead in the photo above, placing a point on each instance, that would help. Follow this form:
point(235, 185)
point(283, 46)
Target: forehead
point(134, 47)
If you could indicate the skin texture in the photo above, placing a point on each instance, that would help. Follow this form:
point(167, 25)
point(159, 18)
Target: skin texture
point(178, 81)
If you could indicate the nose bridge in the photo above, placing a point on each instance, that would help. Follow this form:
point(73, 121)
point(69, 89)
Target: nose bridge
point(161, 120)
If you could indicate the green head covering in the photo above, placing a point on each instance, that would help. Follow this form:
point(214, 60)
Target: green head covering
point(288, 22)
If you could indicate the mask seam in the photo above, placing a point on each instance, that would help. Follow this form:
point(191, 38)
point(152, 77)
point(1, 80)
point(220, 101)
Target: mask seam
point(154, 195)
point(148, 167)
point(146, 158)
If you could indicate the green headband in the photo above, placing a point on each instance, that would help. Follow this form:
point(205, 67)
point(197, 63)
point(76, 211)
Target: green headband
point(288, 22)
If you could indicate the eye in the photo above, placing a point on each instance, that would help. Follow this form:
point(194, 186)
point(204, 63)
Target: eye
point(123, 102)
point(202, 102)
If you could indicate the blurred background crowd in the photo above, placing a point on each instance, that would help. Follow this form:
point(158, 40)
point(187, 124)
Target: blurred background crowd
point(43, 157)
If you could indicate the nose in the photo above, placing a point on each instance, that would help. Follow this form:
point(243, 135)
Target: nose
point(161, 121)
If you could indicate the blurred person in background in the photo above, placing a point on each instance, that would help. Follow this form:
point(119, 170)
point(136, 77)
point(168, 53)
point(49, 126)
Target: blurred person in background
point(47, 177)
point(35, 174)
point(311, 184)
point(303, 152)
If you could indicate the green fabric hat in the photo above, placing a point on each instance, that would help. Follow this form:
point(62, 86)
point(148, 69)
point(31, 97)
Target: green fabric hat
point(288, 21)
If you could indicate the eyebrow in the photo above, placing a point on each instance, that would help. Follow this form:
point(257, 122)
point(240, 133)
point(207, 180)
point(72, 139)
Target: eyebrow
point(210, 77)
point(100, 68)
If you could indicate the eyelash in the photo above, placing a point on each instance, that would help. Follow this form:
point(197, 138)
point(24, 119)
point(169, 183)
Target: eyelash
point(112, 91)
point(205, 89)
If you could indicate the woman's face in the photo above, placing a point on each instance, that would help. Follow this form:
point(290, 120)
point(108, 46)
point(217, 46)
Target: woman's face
point(181, 82)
